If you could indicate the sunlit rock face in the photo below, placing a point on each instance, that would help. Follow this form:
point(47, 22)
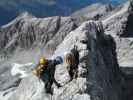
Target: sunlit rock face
point(118, 25)
point(26, 38)
point(27, 31)
point(23, 41)
point(95, 68)
point(99, 77)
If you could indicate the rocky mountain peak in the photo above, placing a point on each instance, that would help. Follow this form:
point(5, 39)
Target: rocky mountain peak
point(105, 48)
point(27, 31)
point(25, 15)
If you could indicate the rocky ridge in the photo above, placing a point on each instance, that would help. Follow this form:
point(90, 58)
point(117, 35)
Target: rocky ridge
point(119, 26)
point(94, 65)
point(100, 75)
point(27, 31)
point(97, 11)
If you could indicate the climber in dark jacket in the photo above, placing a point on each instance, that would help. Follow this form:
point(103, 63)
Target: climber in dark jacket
point(45, 70)
point(71, 60)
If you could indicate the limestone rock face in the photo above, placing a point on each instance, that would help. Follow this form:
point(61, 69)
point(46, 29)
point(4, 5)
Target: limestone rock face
point(96, 51)
point(21, 41)
point(98, 71)
point(99, 74)
point(96, 11)
point(119, 26)
point(27, 31)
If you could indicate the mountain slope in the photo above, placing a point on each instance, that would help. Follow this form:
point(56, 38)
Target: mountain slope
point(27, 31)
point(95, 11)
point(100, 76)
point(119, 26)
point(96, 77)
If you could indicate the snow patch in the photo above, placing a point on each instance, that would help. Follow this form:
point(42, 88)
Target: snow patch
point(17, 69)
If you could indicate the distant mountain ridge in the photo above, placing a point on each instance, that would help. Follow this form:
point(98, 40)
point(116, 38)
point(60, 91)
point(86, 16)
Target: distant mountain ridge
point(9, 9)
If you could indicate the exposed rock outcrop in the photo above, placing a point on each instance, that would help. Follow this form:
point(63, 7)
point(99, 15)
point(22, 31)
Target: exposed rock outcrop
point(98, 63)
point(21, 40)
point(119, 26)
point(100, 77)
point(99, 74)
point(96, 11)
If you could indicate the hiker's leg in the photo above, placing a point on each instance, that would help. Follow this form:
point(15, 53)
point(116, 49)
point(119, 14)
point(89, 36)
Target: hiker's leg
point(53, 79)
point(71, 74)
point(48, 86)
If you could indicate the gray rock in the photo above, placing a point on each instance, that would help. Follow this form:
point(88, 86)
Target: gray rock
point(95, 11)
point(101, 78)
point(81, 97)
point(27, 31)
point(99, 75)
point(21, 39)
point(119, 26)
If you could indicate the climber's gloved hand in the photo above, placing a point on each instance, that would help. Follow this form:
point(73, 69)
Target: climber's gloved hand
point(38, 70)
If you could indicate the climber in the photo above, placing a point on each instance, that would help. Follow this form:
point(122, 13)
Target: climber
point(71, 60)
point(45, 70)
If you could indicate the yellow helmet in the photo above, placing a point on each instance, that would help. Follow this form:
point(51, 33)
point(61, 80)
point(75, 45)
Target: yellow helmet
point(42, 61)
